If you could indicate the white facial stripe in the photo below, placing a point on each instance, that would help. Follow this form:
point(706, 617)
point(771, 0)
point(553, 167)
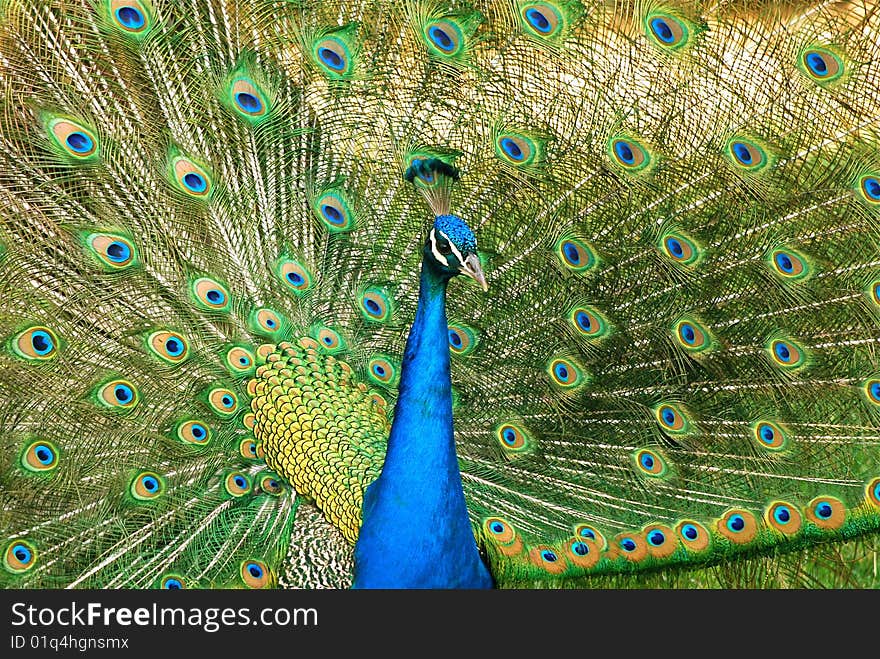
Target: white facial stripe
point(454, 249)
point(437, 255)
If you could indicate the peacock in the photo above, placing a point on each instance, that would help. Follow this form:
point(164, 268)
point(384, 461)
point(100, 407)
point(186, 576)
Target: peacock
point(438, 294)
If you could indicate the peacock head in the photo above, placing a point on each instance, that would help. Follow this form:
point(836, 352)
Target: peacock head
point(452, 249)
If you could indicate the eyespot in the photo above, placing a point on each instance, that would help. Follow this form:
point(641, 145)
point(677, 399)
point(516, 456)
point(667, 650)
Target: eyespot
point(444, 37)
point(120, 394)
point(333, 209)
point(237, 484)
point(223, 401)
point(693, 535)
point(375, 306)
point(193, 432)
point(680, 248)
point(770, 436)
point(786, 354)
point(588, 322)
point(255, 574)
point(872, 493)
point(131, 16)
point(667, 31)
point(565, 373)
point(112, 251)
point(248, 100)
point(788, 264)
point(169, 346)
point(746, 154)
point(575, 254)
point(211, 295)
point(334, 57)
point(512, 437)
point(582, 553)
point(783, 516)
point(73, 139)
point(381, 370)
point(628, 154)
point(265, 320)
point(548, 559)
point(869, 187)
point(36, 343)
point(172, 582)
point(631, 546)
point(591, 533)
point(821, 65)
point(541, 19)
point(247, 448)
point(671, 418)
point(503, 535)
point(872, 390)
point(738, 526)
point(239, 360)
point(329, 340)
point(40, 456)
point(271, 485)
point(295, 276)
point(147, 486)
point(462, 339)
point(190, 178)
point(660, 540)
point(20, 556)
point(516, 149)
point(691, 335)
point(650, 463)
point(826, 512)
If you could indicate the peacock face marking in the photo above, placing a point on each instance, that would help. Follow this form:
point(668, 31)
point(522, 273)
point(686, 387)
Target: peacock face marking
point(452, 247)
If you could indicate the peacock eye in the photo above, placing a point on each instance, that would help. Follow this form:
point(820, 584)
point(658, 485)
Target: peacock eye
point(444, 247)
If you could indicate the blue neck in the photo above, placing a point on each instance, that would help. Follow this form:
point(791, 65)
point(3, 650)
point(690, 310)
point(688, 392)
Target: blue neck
point(416, 532)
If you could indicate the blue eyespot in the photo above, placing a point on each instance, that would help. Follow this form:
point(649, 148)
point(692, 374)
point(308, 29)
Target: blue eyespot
point(42, 342)
point(295, 278)
point(669, 416)
point(248, 102)
point(572, 253)
point(332, 214)
point(624, 152)
point(123, 393)
point(509, 436)
point(687, 333)
point(373, 306)
point(240, 482)
point(656, 538)
point(647, 461)
point(379, 370)
point(561, 371)
point(782, 514)
point(674, 247)
point(215, 296)
point(742, 153)
point(782, 351)
point(195, 182)
point(198, 431)
point(130, 17)
point(455, 338)
point(817, 64)
point(690, 532)
point(174, 347)
point(512, 149)
point(331, 59)
point(44, 454)
point(736, 523)
point(783, 262)
point(173, 584)
point(588, 533)
point(824, 510)
point(22, 553)
point(118, 252)
point(875, 391)
point(254, 570)
point(80, 142)
point(497, 527)
point(150, 484)
point(662, 30)
point(442, 40)
point(871, 186)
point(580, 548)
point(767, 434)
point(628, 544)
point(549, 556)
point(538, 21)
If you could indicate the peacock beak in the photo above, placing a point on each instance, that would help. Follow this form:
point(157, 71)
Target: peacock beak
point(472, 268)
